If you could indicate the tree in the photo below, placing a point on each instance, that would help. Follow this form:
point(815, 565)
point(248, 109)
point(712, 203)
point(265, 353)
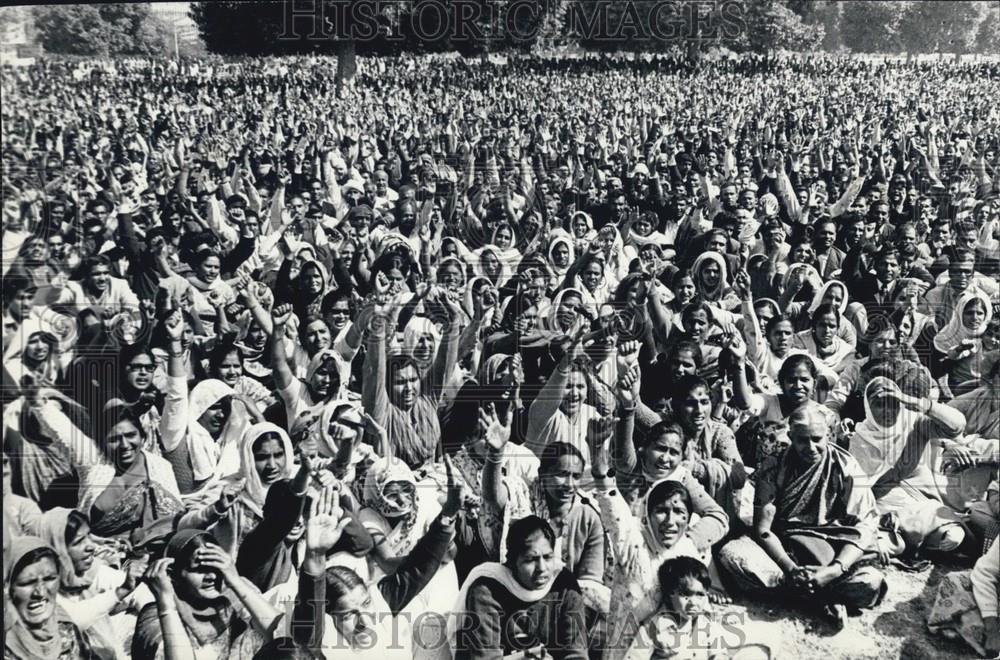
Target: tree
point(988, 34)
point(872, 27)
point(936, 26)
point(110, 29)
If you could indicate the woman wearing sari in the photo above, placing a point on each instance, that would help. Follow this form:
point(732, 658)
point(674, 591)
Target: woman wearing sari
point(397, 513)
point(202, 608)
point(958, 347)
point(640, 543)
point(122, 486)
point(266, 457)
point(36, 627)
point(710, 274)
point(528, 601)
point(200, 434)
point(210, 290)
point(393, 392)
point(813, 522)
point(100, 599)
point(822, 342)
point(901, 424)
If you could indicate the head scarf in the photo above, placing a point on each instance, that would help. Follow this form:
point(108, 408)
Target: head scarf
point(877, 447)
point(649, 532)
point(13, 356)
point(254, 491)
point(381, 473)
point(207, 453)
point(209, 620)
point(480, 270)
point(821, 293)
point(696, 268)
point(955, 332)
point(19, 639)
point(458, 263)
point(503, 575)
point(589, 235)
point(343, 371)
point(299, 281)
point(552, 319)
point(415, 329)
point(563, 239)
point(53, 532)
point(489, 370)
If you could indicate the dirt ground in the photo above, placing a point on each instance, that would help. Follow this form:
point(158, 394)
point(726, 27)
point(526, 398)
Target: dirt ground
point(895, 630)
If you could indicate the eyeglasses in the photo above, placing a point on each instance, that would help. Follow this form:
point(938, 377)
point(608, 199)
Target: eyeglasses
point(146, 368)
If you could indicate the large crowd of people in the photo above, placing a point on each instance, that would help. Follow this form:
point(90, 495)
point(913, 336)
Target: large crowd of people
point(548, 358)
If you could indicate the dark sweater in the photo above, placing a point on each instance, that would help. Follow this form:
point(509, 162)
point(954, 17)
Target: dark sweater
point(501, 623)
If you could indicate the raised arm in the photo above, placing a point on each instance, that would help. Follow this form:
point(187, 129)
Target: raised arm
point(283, 376)
point(173, 422)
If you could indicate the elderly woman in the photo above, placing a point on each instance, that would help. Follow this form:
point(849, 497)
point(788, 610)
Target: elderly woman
point(36, 627)
point(891, 445)
point(813, 521)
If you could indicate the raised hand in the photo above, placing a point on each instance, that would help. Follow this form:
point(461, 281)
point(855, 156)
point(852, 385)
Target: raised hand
point(157, 578)
point(497, 433)
point(327, 521)
point(280, 315)
point(455, 497)
point(628, 384)
point(174, 325)
point(628, 354)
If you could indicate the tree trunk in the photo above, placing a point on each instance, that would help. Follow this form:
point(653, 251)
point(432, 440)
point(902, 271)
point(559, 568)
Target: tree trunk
point(347, 64)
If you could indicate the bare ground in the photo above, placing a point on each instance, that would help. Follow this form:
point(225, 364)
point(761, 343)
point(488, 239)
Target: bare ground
point(895, 630)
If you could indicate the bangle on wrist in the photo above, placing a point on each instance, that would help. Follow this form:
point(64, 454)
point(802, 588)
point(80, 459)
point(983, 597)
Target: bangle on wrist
point(930, 404)
point(837, 562)
point(167, 611)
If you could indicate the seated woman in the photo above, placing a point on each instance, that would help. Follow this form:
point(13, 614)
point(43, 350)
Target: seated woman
point(967, 605)
point(101, 600)
point(397, 513)
point(527, 602)
point(336, 609)
point(35, 625)
point(554, 495)
point(266, 457)
point(812, 524)
point(122, 487)
point(892, 447)
point(959, 353)
point(832, 292)
point(822, 342)
point(201, 605)
point(200, 434)
point(392, 390)
point(710, 452)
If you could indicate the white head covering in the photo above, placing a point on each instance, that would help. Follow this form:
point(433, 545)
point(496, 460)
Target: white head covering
point(955, 332)
point(254, 491)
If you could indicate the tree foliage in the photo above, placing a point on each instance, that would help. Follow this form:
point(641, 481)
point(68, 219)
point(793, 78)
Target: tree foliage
point(107, 29)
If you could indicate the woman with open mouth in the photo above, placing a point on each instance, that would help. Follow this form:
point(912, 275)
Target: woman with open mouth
point(101, 599)
point(36, 627)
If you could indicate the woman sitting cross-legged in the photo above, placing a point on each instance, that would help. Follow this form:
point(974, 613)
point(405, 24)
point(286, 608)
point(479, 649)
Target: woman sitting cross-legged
point(812, 525)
